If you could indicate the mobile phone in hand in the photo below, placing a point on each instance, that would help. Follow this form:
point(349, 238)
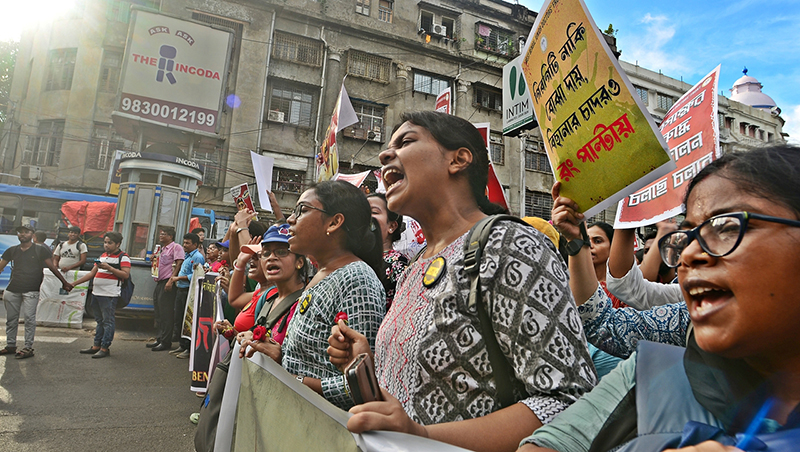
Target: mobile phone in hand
point(362, 381)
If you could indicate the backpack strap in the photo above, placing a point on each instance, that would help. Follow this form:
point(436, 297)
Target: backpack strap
point(473, 251)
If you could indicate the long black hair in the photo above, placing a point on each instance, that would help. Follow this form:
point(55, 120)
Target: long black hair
point(362, 231)
point(391, 216)
point(770, 172)
point(453, 133)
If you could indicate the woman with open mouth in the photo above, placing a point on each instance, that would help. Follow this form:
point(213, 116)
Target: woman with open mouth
point(737, 382)
point(430, 355)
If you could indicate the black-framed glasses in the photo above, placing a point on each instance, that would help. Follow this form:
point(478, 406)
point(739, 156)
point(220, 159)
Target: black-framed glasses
point(278, 252)
point(300, 209)
point(718, 236)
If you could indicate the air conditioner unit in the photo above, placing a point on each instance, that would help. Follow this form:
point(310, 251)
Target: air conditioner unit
point(32, 173)
point(439, 29)
point(377, 137)
point(275, 116)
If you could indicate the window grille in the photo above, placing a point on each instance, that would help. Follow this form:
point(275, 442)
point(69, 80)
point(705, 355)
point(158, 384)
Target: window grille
point(296, 103)
point(488, 98)
point(494, 40)
point(60, 67)
point(109, 71)
point(497, 149)
point(538, 204)
point(370, 119)
point(642, 94)
point(213, 166)
point(298, 49)
point(237, 27)
point(429, 84)
point(104, 144)
point(362, 7)
point(286, 180)
point(665, 102)
point(385, 8)
point(44, 148)
point(370, 67)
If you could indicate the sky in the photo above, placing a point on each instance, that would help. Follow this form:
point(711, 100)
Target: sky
point(689, 38)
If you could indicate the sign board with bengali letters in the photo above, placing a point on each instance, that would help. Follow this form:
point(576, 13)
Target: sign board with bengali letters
point(601, 141)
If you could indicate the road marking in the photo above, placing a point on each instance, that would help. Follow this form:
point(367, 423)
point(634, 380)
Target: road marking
point(50, 339)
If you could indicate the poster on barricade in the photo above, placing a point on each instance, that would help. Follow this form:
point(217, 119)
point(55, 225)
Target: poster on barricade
point(691, 129)
point(202, 330)
point(601, 141)
point(60, 308)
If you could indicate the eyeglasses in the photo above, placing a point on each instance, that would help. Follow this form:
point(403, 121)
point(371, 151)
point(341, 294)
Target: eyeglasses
point(278, 252)
point(718, 236)
point(300, 209)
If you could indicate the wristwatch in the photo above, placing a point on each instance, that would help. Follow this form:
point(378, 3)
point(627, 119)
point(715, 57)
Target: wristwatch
point(573, 247)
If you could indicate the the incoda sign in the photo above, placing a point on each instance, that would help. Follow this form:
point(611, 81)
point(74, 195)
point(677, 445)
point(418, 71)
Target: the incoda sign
point(174, 71)
point(517, 105)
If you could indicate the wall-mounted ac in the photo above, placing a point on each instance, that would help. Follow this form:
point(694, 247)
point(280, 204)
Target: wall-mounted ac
point(439, 30)
point(275, 116)
point(32, 173)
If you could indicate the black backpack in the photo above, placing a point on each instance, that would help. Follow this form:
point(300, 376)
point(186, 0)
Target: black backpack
point(126, 285)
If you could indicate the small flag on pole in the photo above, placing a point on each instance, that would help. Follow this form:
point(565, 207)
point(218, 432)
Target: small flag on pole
point(343, 116)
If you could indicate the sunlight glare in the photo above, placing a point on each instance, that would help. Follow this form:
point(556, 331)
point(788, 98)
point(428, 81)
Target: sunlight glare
point(18, 16)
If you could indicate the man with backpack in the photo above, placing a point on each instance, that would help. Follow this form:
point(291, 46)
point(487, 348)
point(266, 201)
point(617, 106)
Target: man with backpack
point(71, 255)
point(22, 294)
point(109, 272)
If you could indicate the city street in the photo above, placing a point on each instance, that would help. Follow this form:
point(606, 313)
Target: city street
point(60, 400)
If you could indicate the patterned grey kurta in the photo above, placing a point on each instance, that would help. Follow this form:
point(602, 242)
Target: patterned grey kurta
point(430, 354)
point(354, 289)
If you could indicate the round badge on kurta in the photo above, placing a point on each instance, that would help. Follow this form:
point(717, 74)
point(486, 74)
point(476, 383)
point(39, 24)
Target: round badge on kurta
point(434, 272)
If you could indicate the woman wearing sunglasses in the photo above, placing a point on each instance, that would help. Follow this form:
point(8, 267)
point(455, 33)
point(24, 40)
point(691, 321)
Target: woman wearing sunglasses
point(332, 223)
point(737, 383)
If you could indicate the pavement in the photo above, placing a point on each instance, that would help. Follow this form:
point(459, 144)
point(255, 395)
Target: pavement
point(60, 400)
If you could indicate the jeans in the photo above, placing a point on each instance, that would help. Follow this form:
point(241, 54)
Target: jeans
point(164, 301)
point(103, 310)
point(27, 303)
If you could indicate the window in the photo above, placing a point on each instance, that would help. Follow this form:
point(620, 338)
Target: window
point(429, 84)
point(761, 135)
point(362, 7)
point(8, 212)
point(109, 71)
point(103, 146)
point(743, 128)
point(486, 97)
point(44, 213)
point(287, 180)
point(497, 148)
point(770, 137)
point(370, 67)
point(214, 166)
point(385, 8)
point(535, 159)
point(297, 48)
point(44, 148)
point(642, 92)
point(538, 204)
point(295, 101)
point(728, 123)
point(437, 25)
point(494, 39)
point(61, 65)
point(665, 102)
point(370, 119)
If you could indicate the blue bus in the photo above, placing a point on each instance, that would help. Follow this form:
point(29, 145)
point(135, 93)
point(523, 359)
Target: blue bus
point(42, 208)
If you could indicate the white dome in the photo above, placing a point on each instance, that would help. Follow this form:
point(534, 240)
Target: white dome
point(747, 90)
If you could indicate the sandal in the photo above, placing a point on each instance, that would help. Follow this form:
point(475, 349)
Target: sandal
point(24, 353)
point(8, 350)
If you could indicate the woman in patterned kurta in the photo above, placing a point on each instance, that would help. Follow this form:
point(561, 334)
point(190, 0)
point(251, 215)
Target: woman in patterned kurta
point(430, 355)
point(392, 226)
point(332, 223)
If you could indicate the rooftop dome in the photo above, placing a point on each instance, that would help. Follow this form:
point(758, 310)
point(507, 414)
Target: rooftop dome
point(747, 90)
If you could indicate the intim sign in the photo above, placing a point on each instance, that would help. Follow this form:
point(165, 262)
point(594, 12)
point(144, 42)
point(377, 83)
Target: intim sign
point(517, 105)
point(174, 72)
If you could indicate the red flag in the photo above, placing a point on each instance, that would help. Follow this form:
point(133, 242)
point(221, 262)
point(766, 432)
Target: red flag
point(494, 190)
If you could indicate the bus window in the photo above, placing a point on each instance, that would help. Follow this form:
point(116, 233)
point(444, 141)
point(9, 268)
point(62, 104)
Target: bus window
point(8, 213)
point(45, 213)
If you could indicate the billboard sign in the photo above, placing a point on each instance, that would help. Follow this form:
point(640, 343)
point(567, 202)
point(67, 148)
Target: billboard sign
point(517, 104)
point(174, 72)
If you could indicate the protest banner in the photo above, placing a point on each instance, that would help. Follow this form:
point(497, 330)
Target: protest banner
point(494, 190)
point(58, 307)
point(691, 130)
point(242, 198)
point(601, 141)
point(262, 169)
point(344, 115)
point(443, 101)
point(205, 301)
point(355, 179)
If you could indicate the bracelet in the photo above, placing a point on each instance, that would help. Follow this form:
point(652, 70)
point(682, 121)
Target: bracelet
point(299, 378)
point(235, 267)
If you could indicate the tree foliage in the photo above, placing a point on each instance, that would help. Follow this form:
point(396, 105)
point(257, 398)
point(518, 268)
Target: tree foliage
point(8, 56)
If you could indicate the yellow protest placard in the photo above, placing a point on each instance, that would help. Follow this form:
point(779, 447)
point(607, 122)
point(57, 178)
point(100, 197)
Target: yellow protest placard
point(602, 143)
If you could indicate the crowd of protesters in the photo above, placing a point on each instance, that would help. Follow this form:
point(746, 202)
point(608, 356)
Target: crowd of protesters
point(564, 339)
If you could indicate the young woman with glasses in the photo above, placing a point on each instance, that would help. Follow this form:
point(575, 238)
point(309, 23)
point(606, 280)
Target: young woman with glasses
point(737, 382)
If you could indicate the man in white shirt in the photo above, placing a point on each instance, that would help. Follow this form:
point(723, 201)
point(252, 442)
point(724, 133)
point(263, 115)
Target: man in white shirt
point(70, 255)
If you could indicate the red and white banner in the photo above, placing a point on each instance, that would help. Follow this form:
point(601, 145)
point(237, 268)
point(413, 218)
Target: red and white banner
point(691, 130)
point(443, 101)
point(355, 179)
point(494, 190)
point(344, 115)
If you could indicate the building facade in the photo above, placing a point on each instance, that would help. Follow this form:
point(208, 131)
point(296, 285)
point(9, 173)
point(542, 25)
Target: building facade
point(287, 63)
